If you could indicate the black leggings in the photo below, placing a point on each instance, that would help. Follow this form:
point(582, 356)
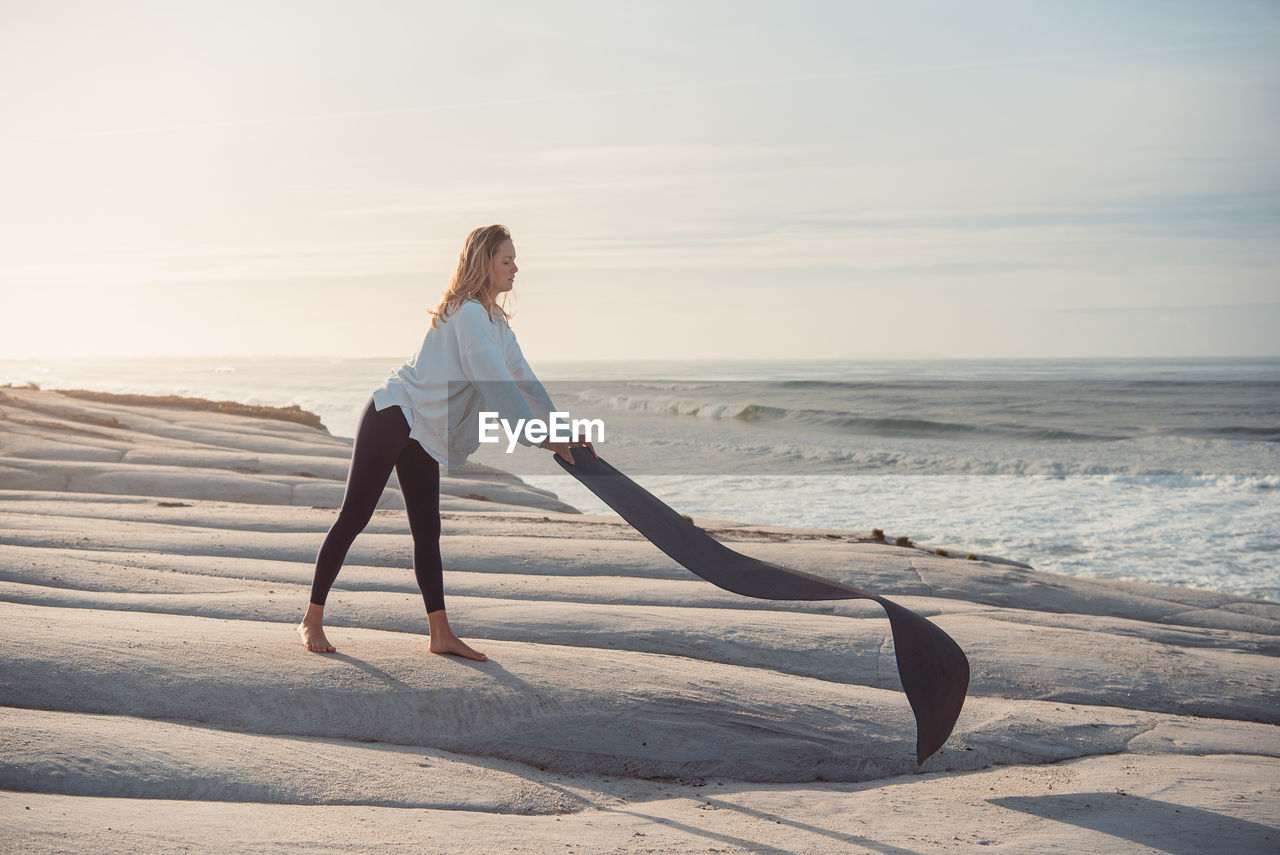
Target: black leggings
point(382, 443)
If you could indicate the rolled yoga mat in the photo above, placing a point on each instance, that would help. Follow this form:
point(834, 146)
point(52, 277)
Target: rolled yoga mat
point(933, 669)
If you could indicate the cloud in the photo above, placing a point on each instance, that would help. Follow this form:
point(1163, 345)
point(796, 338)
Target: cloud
point(1046, 58)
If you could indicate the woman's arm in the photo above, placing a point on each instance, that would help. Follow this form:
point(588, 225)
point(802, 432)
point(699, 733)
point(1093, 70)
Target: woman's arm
point(536, 395)
point(485, 365)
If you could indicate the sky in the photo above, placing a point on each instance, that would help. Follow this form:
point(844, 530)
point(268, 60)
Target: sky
point(683, 180)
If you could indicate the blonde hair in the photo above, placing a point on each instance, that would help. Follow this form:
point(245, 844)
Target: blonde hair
point(470, 280)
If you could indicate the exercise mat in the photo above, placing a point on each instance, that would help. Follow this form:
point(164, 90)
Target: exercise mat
point(933, 669)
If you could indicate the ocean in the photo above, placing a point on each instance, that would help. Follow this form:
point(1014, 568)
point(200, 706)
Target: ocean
point(1153, 470)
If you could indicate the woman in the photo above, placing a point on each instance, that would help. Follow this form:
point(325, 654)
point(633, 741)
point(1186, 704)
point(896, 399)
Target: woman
point(426, 414)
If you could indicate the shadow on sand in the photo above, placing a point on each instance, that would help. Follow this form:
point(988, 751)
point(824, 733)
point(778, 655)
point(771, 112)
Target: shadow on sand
point(1164, 826)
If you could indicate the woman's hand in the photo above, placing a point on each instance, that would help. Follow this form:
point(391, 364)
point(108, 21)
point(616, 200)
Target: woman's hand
point(562, 448)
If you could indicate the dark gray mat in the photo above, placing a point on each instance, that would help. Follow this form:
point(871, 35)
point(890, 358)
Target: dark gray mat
point(933, 669)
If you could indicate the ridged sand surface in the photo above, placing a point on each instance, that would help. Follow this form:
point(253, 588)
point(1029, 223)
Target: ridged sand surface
point(154, 698)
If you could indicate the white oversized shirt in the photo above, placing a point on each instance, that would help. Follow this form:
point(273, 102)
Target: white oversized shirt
point(469, 363)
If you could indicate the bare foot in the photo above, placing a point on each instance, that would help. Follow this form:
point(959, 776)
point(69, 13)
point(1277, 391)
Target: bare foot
point(453, 644)
point(313, 638)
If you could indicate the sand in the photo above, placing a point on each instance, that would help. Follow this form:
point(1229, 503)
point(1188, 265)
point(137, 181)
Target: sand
point(154, 698)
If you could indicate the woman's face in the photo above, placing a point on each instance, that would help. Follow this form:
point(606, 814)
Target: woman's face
point(502, 269)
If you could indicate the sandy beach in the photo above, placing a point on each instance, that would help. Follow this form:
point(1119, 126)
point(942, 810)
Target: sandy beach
point(154, 561)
